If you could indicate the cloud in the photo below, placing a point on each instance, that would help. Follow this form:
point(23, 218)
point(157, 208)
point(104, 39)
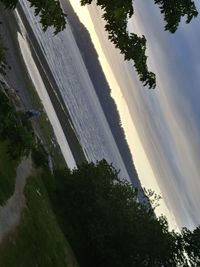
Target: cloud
point(168, 118)
point(175, 148)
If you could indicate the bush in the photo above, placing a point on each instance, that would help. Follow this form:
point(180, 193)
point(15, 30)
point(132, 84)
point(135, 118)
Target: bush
point(39, 155)
point(106, 225)
point(15, 129)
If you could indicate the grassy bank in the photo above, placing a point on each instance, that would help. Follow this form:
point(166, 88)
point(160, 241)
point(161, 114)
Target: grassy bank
point(44, 127)
point(29, 96)
point(38, 241)
point(16, 141)
point(53, 91)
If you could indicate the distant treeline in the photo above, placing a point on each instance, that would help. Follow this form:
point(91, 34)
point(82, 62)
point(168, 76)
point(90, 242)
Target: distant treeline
point(102, 89)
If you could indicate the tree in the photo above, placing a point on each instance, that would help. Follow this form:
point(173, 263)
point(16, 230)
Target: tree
point(3, 62)
point(50, 12)
point(116, 14)
point(174, 10)
point(14, 129)
point(107, 226)
point(192, 245)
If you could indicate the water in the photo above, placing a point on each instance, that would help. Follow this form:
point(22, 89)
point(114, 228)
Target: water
point(77, 91)
point(42, 93)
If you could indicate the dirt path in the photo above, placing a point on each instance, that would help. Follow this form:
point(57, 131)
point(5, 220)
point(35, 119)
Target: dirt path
point(10, 213)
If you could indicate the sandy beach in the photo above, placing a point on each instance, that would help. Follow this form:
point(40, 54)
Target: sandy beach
point(16, 77)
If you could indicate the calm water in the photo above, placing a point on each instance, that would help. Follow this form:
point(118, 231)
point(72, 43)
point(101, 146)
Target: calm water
point(75, 86)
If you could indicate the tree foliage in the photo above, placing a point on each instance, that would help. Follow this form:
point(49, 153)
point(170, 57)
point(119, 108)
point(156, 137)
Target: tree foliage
point(173, 11)
point(133, 47)
point(50, 12)
point(3, 61)
point(192, 245)
point(14, 129)
point(116, 14)
point(107, 226)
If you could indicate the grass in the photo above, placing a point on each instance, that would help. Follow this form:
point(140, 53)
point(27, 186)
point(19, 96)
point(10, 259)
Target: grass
point(7, 174)
point(38, 241)
point(45, 126)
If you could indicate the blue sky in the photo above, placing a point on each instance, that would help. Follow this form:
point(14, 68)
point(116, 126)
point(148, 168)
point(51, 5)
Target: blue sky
point(176, 61)
point(166, 119)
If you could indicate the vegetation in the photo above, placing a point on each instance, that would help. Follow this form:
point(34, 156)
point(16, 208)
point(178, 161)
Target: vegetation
point(107, 226)
point(99, 213)
point(192, 245)
point(15, 129)
point(174, 11)
point(3, 62)
point(7, 173)
point(100, 217)
point(116, 14)
point(16, 141)
point(50, 12)
point(47, 131)
point(38, 240)
point(39, 155)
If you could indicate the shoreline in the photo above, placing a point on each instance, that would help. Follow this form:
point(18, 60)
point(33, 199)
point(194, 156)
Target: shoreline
point(48, 80)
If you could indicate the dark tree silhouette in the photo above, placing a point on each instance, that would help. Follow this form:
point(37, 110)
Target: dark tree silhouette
point(15, 129)
point(107, 226)
point(174, 10)
point(116, 14)
point(50, 12)
point(192, 245)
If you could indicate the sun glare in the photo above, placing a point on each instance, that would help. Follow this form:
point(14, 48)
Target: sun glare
point(141, 161)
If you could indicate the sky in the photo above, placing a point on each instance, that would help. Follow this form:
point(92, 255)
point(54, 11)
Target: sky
point(162, 126)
